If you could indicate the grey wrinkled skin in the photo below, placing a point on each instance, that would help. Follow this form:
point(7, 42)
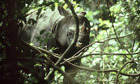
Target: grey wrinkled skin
point(44, 24)
point(56, 29)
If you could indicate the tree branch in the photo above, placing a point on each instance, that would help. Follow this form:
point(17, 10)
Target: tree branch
point(80, 57)
point(117, 77)
point(79, 67)
point(132, 59)
point(74, 56)
point(100, 42)
point(48, 59)
point(75, 35)
point(105, 71)
point(73, 41)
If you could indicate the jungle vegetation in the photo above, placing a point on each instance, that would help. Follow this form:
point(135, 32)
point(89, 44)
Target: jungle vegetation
point(112, 57)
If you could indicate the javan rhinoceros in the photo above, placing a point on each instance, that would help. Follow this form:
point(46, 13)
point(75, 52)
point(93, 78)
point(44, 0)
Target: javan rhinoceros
point(55, 29)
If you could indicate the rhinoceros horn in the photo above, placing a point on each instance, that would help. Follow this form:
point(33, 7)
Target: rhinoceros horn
point(83, 27)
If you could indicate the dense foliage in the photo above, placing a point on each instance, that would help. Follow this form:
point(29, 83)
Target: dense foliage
point(113, 55)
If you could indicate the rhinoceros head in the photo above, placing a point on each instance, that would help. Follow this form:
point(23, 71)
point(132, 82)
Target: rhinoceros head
point(67, 28)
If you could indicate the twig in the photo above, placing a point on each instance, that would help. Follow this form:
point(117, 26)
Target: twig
point(40, 7)
point(101, 42)
point(132, 59)
point(73, 41)
point(74, 56)
point(79, 67)
point(36, 49)
point(75, 35)
point(117, 77)
point(106, 54)
point(105, 71)
point(51, 54)
point(136, 81)
point(111, 54)
point(63, 73)
point(48, 59)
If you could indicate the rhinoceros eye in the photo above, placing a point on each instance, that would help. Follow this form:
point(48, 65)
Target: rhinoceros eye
point(70, 33)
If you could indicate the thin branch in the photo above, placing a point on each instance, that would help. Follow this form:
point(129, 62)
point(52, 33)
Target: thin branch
point(62, 72)
point(105, 71)
point(40, 7)
point(51, 62)
point(75, 55)
point(36, 49)
point(116, 32)
point(93, 70)
point(100, 42)
point(136, 81)
point(132, 59)
point(51, 54)
point(41, 50)
point(117, 77)
point(75, 36)
point(108, 54)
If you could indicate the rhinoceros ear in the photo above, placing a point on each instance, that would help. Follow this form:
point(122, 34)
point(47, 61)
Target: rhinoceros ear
point(62, 11)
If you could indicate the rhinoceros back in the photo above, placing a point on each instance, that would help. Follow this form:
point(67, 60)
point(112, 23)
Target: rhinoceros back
point(40, 33)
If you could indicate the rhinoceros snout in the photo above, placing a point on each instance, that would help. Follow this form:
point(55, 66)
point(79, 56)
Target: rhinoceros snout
point(79, 44)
